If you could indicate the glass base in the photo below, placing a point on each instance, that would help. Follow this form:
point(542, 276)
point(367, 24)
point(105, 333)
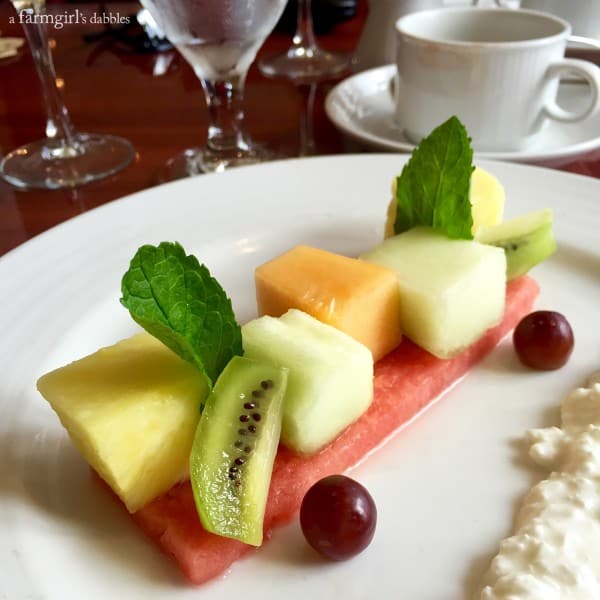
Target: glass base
point(50, 164)
point(197, 161)
point(305, 64)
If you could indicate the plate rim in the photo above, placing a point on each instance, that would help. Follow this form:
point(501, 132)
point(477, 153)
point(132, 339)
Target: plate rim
point(172, 186)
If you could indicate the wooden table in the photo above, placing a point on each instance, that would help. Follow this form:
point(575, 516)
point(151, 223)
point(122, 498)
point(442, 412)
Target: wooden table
point(156, 102)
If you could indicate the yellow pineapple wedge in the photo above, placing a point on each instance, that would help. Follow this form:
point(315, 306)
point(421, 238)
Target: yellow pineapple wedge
point(487, 200)
point(486, 196)
point(131, 410)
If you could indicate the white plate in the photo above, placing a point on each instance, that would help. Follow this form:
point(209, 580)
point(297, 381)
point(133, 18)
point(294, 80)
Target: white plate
point(361, 106)
point(445, 486)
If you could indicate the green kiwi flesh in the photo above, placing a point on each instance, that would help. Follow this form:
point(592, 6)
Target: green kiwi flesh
point(527, 241)
point(234, 449)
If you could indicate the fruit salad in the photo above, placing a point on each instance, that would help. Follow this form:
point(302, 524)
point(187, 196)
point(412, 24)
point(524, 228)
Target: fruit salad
point(211, 433)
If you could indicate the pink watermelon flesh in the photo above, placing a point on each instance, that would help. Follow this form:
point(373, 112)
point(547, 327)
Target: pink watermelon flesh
point(406, 381)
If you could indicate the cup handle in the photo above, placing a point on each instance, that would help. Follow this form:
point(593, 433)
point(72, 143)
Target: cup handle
point(591, 73)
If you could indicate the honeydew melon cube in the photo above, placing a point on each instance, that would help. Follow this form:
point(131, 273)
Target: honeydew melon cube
point(330, 379)
point(362, 299)
point(451, 291)
point(131, 409)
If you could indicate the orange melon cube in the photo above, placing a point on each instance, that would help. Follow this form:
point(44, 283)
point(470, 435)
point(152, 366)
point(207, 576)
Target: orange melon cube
point(359, 298)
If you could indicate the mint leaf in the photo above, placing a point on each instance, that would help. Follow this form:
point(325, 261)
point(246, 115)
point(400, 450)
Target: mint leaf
point(174, 297)
point(433, 188)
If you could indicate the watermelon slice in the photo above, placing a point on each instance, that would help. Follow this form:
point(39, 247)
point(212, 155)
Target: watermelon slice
point(406, 381)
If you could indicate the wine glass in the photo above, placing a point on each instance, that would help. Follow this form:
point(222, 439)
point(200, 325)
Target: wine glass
point(219, 39)
point(305, 60)
point(65, 158)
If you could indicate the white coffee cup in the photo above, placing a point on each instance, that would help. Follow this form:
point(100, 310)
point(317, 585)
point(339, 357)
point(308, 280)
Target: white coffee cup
point(497, 70)
point(583, 15)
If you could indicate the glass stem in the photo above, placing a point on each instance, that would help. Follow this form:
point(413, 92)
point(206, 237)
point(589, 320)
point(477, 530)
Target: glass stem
point(58, 124)
point(307, 133)
point(224, 99)
point(305, 33)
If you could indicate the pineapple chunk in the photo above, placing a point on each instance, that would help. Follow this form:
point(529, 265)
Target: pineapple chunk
point(452, 291)
point(487, 202)
point(131, 410)
point(358, 298)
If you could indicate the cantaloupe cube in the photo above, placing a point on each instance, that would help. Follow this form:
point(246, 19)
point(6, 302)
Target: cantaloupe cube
point(452, 291)
point(356, 297)
point(131, 410)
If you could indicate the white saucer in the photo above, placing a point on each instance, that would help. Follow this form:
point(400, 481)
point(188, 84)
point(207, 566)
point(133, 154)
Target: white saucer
point(362, 107)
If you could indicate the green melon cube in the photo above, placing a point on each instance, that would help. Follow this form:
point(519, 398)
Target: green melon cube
point(452, 291)
point(330, 380)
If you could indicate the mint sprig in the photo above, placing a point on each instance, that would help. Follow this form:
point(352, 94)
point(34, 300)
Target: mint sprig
point(174, 298)
point(433, 188)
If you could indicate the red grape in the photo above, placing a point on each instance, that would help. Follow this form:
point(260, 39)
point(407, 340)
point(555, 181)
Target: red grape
point(543, 340)
point(338, 517)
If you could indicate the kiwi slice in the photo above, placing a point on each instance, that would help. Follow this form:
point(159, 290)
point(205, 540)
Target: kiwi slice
point(234, 449)
point(527, 240)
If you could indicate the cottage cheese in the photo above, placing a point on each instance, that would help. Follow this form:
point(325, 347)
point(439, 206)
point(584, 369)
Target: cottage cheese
point(554, 553)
